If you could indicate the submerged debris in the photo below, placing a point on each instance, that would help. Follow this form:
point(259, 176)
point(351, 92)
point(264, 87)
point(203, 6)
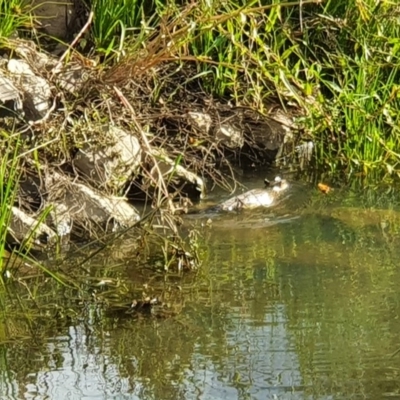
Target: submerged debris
point(147, 306)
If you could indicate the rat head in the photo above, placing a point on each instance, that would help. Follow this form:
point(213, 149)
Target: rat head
point(278, 184)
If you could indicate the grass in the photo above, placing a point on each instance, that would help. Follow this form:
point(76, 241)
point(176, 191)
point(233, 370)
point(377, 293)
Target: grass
point(337, 61)
point(14, 15)
point(113, 20)
point(9, 175)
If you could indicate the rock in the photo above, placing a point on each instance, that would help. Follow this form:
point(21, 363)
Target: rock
point(85, 203)
point(61, 220)
point(37, 59)
point(10, 99)
point(72, 79)
point(36, 91)
point(200, 120)
point(78, 206)
point(230, 136)
point(54, 16)
point(269, 135)
point(166, 165)
point(112, 163)
point(24, 228)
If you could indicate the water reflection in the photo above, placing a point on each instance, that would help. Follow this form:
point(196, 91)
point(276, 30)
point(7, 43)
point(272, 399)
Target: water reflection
point(306, 309)
point(261, 361)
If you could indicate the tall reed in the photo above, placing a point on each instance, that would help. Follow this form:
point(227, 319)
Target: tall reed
point(9, 176)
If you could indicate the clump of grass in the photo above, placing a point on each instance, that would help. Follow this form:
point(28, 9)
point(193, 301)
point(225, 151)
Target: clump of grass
point(14, 15)
point(115, 19)
point(359, 76)
point(9, 176)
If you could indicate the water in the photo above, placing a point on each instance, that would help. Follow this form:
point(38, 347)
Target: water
point(304, 309)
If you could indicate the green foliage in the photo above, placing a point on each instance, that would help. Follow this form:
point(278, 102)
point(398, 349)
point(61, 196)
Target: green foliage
point(338, 61)
point(359, 76)
point(115, 19)
point(9, 174)
point(13, 15)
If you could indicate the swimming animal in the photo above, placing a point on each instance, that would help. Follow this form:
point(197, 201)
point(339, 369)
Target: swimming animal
point(256, 198)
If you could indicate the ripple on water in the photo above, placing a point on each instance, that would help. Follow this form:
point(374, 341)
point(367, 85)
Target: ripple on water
point(306, 309)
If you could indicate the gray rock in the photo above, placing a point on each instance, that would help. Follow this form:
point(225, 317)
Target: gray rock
point(105, 211)
point(167, 166)
point(78, 206)
point(200, 120)
point(36, 58)
point(36, 91)
point(10, 99)
point(72, 79)
point(111, 164)
point(25, 228)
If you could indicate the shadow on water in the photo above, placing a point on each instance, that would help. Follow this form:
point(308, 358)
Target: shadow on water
point(306, 309)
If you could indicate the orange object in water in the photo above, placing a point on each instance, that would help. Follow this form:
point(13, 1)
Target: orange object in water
point(324, 188)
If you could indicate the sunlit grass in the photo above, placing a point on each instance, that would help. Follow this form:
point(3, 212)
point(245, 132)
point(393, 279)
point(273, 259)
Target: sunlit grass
point(114, 20)
point(9, 176)
point(337, 61)
point(14, 15)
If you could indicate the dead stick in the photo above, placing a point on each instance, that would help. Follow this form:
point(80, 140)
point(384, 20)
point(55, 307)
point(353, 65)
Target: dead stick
point(128, 105)
point(75, 41)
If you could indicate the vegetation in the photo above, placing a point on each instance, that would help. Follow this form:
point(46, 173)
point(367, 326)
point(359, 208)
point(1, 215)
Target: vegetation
point(333, 64)
point(336, 61)
point(9, 173)
point(14, 15)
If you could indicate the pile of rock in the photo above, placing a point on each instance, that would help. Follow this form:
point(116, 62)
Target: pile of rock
point(82, 196)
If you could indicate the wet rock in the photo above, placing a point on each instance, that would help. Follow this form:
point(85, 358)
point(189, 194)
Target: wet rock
point(26, 228)
point(111, 164)
point(10, 99)
point(35, 90)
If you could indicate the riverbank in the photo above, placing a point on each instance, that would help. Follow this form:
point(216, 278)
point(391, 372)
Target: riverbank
point(160, 112)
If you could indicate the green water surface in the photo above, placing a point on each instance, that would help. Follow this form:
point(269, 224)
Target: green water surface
point(301, 302)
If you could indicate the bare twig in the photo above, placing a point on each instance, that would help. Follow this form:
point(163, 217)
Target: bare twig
point(74, 42)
